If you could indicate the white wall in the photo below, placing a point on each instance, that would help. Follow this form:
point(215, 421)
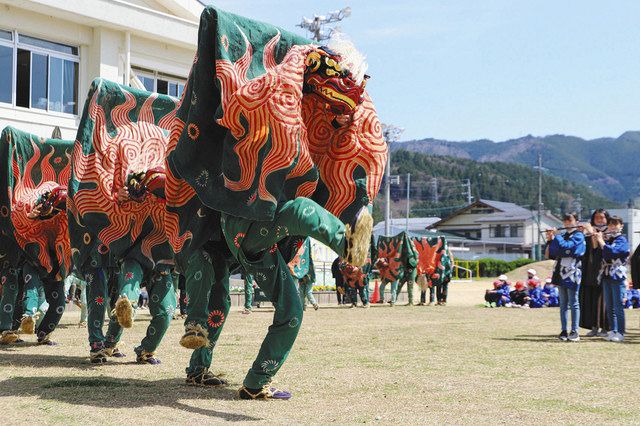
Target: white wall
point(102, 53)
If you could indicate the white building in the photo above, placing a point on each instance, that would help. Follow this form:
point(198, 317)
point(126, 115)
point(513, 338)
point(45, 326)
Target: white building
point(496, 229)
point(51, 50)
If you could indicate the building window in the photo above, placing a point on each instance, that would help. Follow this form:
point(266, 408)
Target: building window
point(42, 74)
point(515, 231)
point(498, 231)
point(155, 81)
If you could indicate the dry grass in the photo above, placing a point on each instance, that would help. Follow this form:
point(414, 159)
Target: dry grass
point(454, 364)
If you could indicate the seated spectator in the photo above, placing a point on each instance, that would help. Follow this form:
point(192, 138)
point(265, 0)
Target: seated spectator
point(532, 275)
point(550, 294)
point(534, 298)
point(518, 296)
point(499, 296)
point(631, 298)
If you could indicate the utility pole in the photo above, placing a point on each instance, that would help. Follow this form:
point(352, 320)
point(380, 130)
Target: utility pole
point(540, 205)
point(391, 134)
point(408, 202)
point(434, 184)
point(577, 205)
point(467, 184)
point(316, 24)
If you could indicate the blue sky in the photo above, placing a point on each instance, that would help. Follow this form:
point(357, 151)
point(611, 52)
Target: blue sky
point(497, 69)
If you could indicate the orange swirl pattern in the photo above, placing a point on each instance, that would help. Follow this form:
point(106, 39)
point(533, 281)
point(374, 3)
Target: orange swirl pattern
point(389, 253)
point(337, 152)
point(178, 193)
point(136, 146)
point(428, 255)
point(46, 234)
point(298, 127)
point(270, 104)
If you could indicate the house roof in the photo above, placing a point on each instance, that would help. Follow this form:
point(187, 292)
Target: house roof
point(414, 223)
point(507, 212)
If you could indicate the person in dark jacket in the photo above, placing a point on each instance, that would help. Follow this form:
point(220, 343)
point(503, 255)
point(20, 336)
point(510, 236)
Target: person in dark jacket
point(519, 295)
point(340, 286)
point(567, 250)
point(592, 313)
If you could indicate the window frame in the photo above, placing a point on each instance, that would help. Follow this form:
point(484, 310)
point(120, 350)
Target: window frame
point(155, 75)
point(15, 45)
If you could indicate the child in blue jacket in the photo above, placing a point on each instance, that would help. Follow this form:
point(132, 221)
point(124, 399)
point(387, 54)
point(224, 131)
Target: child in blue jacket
point(550, 294)
point(613, 275)
point(535, 299)
point(499, 296)
point(567, 249)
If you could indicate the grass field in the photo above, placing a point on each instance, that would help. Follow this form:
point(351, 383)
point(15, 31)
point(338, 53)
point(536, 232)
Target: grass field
point(456, 364)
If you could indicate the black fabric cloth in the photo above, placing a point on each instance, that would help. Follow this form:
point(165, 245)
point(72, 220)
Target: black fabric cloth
point(518, 296)
point(592, 311)
point(635, 268)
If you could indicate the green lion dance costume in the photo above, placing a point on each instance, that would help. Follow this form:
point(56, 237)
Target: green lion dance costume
point(275, 138)
point(33, 211)
point(397, 260)
point(116, 215)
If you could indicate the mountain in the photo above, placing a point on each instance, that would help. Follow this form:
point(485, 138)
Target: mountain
point(606, 165)
point(490, 180)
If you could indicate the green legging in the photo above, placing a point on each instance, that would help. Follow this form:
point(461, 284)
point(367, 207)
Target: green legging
point(362, 291)
point(10, 289)
point(248, 291)
point(410, 284)
point(53, 290)
point(162, 302)
point(394, 290)
point(207, 285)
point(305, 288)
point(97, 295)
point(253, 243)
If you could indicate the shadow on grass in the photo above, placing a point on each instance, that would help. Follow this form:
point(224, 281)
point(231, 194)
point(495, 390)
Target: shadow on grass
point(630, 338)
point(11, 355)
point(103, 392)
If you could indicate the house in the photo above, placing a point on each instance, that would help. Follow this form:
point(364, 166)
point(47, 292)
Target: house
point(51, 50)
point(397, 225)
point(496, 229)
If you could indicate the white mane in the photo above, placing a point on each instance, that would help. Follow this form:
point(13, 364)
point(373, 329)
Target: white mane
point(352, 59)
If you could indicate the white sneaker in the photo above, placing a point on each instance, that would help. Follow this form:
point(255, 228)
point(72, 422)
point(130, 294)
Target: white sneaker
point(507, 305)
point(610, 335)
point(593, 333)
point(617, 337)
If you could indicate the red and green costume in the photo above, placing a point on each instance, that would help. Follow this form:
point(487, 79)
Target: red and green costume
point(38, 172)
point(123, 133)
point(252, 157)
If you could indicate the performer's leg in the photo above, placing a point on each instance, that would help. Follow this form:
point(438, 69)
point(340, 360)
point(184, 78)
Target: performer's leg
point(97, 292)
point(383, 287)
point(8, 306)
point(162, 305)
point(219, 304)
point(300, 217)
point(248, 294)
point(199, 277)
point(309, 294)
point(182, 287)
point(394, 292)
point(410, 284)
point(31, 300)
point(54, 293)
point(83, 301)
point(280, 287)
point(128, 291)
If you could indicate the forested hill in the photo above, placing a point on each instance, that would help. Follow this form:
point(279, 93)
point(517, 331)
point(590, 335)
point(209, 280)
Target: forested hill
point(608, 165)
point(489, 180)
